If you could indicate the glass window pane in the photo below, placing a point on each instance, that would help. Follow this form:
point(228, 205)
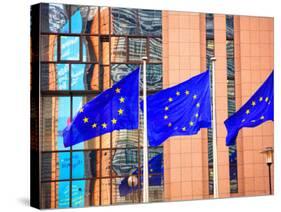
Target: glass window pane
point(104, 50)
point(90, 45)
point(118, 71)
point(55, 195)
point(137, 49)
point(118, 49)
point(104, 20)
point(55, 117)
point(54, 18)
point(209, 26)
point(124, 21)
point(229, 27)
point(85, 193)
point(105, 191)
point(55, 166)
point(230, 49)
point(124, 161)
point(70, 48)
point(85, 77)
point(106, 77)
point(84, 19)
point(150, 22)
point(86, 164)
point(48, 45)
point(154, 77)
point(120, 194)
point(54, 76)
point(155, 50)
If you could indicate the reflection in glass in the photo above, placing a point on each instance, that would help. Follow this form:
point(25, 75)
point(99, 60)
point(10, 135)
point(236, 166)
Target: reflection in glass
point(155, 50)
point(55, 195)
point(150, 22)
point(137, 49)
point(229, 27)
point(54, 76)
point(118, 49)
point(55, 166)
point(209, 26)
point(90, 48)
point(48, 45)
point(55, 117)
point(85, 193)
point(54, 18)
point(84, 19)
point(154, 74)
point(124, 21)
point(104, 20)
point(70, 47)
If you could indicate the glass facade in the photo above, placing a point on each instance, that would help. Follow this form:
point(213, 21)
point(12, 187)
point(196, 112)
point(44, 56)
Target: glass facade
point(85, 50)
point(231, 108)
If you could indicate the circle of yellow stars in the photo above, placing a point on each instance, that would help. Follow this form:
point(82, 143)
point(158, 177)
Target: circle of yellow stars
point(171, 99)
point(254, 104)
point(114, 121)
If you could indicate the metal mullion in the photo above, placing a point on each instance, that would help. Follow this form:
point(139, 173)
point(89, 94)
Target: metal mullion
point(88, 150)
point(95, 34)
point(68, 62)
point(100, 175)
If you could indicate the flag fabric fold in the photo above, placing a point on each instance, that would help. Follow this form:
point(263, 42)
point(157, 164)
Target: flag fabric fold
point(257, 110)
point(114, 109)
point(155, 170)
point(179, 110)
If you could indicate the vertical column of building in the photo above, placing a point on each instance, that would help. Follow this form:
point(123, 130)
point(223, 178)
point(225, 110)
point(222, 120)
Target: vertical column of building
point(221, 103)
point(183, 155)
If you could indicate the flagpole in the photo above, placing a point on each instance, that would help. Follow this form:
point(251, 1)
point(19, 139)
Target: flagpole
point(215, 152)
point(145, 144)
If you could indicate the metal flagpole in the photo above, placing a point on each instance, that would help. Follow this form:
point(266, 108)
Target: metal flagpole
point(145, 152)
point(215, 156)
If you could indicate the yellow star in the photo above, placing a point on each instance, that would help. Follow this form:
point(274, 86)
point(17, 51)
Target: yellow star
point(166, 108)
point(104, 125)
point(266, 99)
point(114, 121)
point(122, 100)
point(183, 129)
point(194, 96)
point(165, 117)
point(170, 124)
point(81, 110)
point(191, 123)
point(117, 90)
point(253, 121)
point(261, 98)
point(248, 111)
point(243, 120)
point(94, 125)
point(120, 111)
point(187, 92)
point(262, 118)
point(170, 99)
point(196, 115)
point(253, 103)
point(198, 105)
point(178, 93)
point(85, 120)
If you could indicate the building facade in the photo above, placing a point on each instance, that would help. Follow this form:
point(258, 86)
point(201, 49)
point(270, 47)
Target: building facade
point(84, 50)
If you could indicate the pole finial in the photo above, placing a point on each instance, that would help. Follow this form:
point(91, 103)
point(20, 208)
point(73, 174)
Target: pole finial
point(144, 58)
point(213, 58)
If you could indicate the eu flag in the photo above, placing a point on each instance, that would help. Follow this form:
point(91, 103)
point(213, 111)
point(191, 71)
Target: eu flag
point(114, 109)
point(258, 109)
point(179, 110)
point(155, 170)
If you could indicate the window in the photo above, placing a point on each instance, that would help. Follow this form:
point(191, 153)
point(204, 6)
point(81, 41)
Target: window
point(84, 51)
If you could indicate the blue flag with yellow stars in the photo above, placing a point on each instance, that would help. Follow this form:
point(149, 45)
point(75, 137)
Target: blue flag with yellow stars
point(258, 109)
point(180, 110)
point(155, 170)
point(114, 109)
